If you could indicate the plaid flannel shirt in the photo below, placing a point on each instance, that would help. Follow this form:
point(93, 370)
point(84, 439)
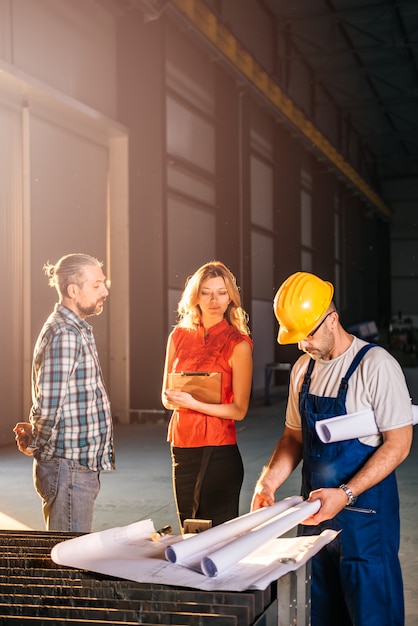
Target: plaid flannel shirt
point(70, 415)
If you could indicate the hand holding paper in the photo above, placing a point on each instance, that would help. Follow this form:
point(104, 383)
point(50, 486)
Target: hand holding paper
point(219, 535)
point(222, 559)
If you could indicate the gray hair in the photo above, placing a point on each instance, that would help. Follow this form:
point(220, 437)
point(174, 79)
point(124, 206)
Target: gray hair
point(68, 270)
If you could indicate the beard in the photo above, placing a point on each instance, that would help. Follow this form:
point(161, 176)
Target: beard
point(316, 355)
point(92, 309)
point(324, 349)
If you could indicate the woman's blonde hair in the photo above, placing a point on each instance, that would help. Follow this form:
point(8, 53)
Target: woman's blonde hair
point(188, 309)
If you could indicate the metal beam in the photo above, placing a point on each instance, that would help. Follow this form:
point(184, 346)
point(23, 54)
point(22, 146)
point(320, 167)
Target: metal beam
point(206, 23)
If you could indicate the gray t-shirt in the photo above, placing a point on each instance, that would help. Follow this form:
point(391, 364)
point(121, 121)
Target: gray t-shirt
point(377, 383)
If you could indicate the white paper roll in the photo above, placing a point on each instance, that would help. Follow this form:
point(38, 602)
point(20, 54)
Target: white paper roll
point(220, 560)
point(182, 550)
point(349, 426)
point(352, 426)
point(73, 552)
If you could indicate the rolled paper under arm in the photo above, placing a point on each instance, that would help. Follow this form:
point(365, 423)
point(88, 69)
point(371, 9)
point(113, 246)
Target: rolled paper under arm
point(352, 426)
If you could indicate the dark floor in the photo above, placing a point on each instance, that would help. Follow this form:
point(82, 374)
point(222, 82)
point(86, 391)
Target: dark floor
point(141, 486)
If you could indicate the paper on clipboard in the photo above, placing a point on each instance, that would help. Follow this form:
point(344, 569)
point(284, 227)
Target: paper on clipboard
point(203, 386)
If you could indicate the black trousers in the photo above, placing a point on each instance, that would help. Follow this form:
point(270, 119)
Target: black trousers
point(207, 482)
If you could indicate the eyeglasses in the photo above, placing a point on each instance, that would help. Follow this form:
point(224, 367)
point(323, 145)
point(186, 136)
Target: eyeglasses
point(319, 326)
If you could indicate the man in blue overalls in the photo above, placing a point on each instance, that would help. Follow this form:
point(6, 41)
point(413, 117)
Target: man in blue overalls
point(356, 579)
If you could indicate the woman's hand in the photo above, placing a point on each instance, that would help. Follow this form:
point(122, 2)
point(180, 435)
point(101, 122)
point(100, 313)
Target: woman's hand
point(181, 399)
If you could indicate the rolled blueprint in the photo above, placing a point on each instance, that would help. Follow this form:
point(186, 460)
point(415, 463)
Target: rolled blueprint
point(110, 542)
point(181, 551)
point(130, 553)
point(220, 560)
point(352, 426)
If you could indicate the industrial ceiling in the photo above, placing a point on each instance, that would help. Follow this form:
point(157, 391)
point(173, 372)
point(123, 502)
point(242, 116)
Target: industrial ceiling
point(365, 55)
point(362, 54)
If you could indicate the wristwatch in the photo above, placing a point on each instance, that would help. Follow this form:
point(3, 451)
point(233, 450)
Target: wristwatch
point(350, 495)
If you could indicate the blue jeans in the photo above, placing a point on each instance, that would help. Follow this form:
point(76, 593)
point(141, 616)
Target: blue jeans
point(68, 491)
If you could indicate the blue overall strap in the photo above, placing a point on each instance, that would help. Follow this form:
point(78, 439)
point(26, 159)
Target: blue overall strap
point(355, 362)
point(307, 377)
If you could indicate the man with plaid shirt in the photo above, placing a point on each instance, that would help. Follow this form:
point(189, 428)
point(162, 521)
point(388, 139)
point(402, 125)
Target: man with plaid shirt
point(70, 432)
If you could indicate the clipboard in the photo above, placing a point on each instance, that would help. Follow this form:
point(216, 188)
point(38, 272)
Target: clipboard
point(203, 386)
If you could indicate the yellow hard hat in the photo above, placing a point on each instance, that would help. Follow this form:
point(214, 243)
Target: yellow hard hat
point(300, 303)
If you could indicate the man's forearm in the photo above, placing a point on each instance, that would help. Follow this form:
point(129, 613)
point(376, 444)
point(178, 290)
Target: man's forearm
point(385, 460)
point(283, 461)
point(42, 427)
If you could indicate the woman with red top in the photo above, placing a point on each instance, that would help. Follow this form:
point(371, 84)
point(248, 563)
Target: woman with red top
point(212, 335)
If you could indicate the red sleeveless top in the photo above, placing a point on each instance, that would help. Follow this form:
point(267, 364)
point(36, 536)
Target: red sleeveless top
point(210, 353)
